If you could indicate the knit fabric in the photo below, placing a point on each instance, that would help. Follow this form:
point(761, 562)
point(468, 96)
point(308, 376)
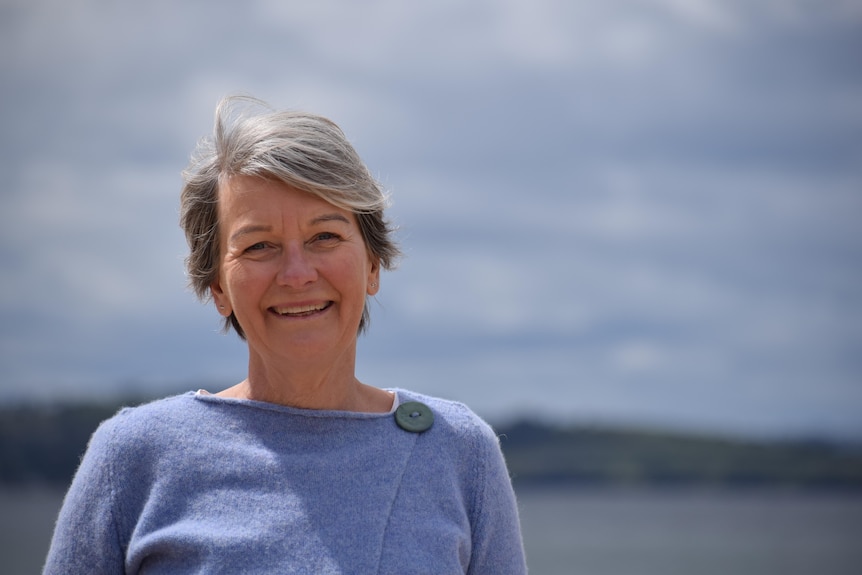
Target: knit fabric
point(201, 484)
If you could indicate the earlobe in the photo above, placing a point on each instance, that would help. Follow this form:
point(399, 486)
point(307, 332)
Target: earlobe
point(374, 278)
point(220, 299)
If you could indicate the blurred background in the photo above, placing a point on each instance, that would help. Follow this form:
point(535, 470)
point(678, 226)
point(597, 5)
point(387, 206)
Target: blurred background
point(640, 213)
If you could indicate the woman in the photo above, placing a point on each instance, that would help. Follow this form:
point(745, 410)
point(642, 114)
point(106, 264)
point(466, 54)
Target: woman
point(299, 468)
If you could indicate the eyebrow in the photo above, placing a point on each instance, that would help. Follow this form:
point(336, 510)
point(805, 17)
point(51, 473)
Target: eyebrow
point(249, 229)
point(254, 228)
point(329, 218)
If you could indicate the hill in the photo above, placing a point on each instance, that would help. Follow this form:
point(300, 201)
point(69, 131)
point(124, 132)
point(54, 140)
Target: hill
point(540, 455)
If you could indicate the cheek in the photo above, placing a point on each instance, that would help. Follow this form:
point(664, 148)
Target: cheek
point(242, 280)
point(348, 276)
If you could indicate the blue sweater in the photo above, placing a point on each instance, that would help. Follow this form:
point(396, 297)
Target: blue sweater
point(202, 484)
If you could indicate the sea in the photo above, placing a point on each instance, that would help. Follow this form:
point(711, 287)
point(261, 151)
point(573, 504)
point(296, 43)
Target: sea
point(601, 531)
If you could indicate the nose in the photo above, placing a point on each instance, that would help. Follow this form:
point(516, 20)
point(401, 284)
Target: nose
point(297, 270)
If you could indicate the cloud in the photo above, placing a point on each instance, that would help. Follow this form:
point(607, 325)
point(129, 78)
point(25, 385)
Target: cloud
point(633, 210)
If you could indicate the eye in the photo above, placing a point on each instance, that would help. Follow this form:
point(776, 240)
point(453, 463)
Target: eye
point(327, 237)
point(256, 247)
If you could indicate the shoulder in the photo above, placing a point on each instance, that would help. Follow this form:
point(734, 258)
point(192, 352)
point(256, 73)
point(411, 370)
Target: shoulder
point(455, 421)
point(148, 416)
point(452, 412)
point(134, 432)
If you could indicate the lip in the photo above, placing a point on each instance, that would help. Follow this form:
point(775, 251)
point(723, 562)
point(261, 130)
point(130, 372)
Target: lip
point(300, 310)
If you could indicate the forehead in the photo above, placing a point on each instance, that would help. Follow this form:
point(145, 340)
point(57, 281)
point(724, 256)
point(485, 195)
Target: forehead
point(253, 196)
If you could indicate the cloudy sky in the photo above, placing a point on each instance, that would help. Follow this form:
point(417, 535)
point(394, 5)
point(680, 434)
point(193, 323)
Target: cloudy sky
point(635, 211)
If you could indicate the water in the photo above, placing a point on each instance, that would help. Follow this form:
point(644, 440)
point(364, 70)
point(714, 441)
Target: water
point(646, 532)
point(26, 520)
point(601, 532)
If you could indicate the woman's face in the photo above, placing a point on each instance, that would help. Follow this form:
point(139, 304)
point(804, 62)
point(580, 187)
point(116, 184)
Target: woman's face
point(294, 269)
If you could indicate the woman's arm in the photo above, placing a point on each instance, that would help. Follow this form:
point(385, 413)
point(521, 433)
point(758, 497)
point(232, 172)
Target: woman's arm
point(497, 545)
point(86, 537)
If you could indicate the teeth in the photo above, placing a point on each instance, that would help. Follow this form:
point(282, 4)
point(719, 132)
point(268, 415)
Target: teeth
point(300, 309)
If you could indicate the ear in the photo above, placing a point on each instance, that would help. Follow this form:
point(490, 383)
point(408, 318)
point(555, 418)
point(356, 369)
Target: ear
point(220, 298)
point(373, 281)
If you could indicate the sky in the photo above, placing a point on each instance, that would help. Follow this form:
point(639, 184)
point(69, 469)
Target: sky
point(630, 212)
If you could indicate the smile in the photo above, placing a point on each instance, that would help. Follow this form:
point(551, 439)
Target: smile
point(300, 310)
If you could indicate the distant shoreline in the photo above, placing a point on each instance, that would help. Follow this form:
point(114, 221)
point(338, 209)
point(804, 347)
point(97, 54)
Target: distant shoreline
point(43, 444)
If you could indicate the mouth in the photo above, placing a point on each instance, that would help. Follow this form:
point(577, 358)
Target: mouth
point(300, 310)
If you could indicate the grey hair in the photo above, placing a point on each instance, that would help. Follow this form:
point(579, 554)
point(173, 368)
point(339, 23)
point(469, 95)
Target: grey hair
point(304, 151)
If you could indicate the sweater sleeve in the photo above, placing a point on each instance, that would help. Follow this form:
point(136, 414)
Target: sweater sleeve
point(86, 536)
point(497, 544)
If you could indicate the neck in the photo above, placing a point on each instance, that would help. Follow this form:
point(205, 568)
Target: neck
point(328, 387)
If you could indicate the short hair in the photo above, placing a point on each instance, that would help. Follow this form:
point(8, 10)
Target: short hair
point(304, 151)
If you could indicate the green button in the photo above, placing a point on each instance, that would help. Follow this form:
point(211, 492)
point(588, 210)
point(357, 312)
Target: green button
point(414, 416)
